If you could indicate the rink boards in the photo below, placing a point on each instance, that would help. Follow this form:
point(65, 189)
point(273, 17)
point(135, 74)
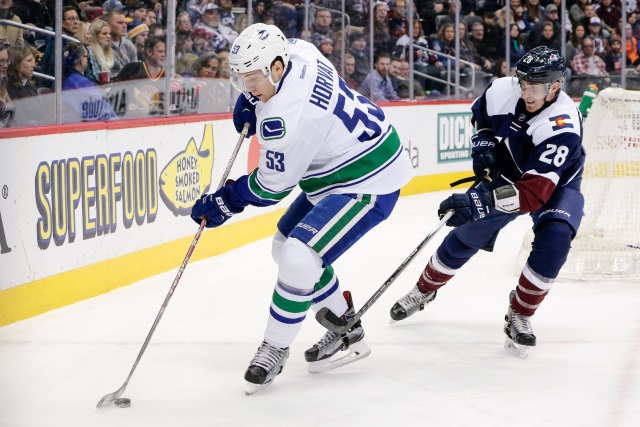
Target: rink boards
point(85, 209)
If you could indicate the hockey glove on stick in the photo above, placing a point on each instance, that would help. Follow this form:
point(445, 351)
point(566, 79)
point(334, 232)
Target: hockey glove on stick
point(218, 207)
point(475, 204)
point(484, 158)
point(245, 112)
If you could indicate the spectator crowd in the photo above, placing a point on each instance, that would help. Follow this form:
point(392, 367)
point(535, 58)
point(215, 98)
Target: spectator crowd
point(122, 40)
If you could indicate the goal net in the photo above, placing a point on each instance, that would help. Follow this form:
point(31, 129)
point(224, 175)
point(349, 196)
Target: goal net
point(608, 243)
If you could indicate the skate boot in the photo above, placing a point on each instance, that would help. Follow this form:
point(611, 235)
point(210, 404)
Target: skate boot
point(319, 356)
point(411, 303)
point(264, 367)
point(519, 333)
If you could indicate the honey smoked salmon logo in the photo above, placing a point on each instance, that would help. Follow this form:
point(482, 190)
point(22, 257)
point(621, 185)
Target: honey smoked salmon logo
point(188, 175)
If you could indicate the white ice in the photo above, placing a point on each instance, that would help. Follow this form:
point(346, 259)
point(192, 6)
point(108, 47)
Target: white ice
point(443, 367)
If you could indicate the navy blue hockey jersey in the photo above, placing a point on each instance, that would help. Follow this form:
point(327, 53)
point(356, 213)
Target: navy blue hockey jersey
point(537, 152)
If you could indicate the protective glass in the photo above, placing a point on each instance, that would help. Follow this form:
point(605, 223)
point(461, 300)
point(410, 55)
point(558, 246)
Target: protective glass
point(248, 81)
point(529, 91)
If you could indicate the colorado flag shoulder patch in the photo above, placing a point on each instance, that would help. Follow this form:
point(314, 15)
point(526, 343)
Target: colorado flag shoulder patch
point(563, 121)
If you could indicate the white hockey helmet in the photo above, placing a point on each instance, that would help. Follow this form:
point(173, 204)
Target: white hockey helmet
point(256, 48)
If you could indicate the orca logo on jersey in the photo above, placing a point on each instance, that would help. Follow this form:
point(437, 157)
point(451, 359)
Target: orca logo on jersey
point(272, 128)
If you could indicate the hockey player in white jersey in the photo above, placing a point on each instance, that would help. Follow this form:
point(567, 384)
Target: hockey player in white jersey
point(342, 151)
point(529, 139)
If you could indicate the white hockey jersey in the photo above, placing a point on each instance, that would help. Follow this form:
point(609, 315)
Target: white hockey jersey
point(319, 133)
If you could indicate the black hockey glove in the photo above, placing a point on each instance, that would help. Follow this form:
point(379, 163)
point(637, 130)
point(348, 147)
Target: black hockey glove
point(218, 207)
point(484, 158)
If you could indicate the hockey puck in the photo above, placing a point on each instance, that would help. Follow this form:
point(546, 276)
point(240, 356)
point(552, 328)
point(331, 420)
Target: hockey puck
point(123, 402)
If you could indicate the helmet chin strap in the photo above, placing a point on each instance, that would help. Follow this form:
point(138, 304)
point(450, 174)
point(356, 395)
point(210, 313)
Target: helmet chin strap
point(547, 88)
point(276, 84)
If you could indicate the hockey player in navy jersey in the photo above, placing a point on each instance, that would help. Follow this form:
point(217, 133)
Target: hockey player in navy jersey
point(342, 151)
point(528, 147)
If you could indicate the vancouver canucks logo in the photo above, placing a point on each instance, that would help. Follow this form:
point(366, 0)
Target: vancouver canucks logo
point(235, 50)
point(262, 34)
point(272, 128)
point(188, 175)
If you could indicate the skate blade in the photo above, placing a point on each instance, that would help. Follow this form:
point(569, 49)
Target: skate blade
point(520, 351)
point(254, 388)
point(357, 351)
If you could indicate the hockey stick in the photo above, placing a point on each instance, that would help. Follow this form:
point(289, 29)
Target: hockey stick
point(331, 321)
point(113, 399)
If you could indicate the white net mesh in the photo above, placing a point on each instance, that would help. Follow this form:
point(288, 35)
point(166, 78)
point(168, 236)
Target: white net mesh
point(608, 243)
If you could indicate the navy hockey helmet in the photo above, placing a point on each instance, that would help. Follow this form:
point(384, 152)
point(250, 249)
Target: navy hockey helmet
point(541, 65)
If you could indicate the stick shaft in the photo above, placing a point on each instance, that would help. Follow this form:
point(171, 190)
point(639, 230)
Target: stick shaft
point(181, 269)
point(378, 293)
point(324, 316)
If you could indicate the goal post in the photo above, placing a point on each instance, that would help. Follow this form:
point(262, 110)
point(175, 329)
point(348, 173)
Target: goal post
point(608, 243)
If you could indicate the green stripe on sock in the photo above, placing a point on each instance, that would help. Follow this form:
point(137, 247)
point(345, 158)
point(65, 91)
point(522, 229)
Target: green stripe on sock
point(325, 279)
point(291, 306)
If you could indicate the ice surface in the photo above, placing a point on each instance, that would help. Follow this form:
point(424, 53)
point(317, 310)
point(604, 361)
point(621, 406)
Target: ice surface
point(445, 366)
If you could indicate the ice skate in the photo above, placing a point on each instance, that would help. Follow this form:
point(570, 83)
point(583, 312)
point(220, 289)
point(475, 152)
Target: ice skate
point(264, 367)
point(411, 303)
point(517, 327)
point(320, 355)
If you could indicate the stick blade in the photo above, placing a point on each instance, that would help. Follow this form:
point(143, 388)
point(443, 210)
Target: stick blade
point(109, 399)
point(329, 320)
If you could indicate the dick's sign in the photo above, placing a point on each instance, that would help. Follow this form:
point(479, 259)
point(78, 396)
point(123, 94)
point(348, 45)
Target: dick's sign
point(454, 137)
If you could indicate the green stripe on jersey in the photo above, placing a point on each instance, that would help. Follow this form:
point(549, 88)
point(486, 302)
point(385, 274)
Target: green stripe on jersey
point(363, 166)
point(263, 193)
point(338, 226)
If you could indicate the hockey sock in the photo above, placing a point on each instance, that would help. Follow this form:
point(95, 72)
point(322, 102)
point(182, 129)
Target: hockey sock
point(288, 309)
point(549, 252)
point(531, 290)
point(445, 263)
point(289, 306)
point(328, 293)
point(300, 268)
point(433, 278)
